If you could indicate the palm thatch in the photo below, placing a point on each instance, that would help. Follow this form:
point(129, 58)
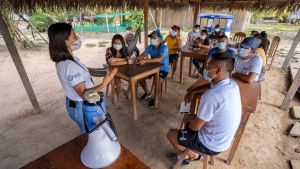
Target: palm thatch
point(277, 5)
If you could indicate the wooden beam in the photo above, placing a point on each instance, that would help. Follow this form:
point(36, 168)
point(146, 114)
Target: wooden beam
point(292, 91)
point(291, 52)
point(196, 12)
point(146, 12)
point(18, 63)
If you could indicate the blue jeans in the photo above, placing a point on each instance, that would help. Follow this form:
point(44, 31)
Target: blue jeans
point(76, 114)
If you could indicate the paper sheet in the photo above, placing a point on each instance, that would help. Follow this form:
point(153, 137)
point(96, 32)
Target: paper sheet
point(185, 108)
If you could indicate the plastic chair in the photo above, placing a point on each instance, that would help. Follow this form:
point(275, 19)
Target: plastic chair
point(272, 51)
point(239, 37)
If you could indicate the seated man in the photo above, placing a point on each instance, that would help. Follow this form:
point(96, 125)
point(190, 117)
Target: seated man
point(194, 34)
point(222, 47)
point(215, 34)
point(212, 130)
point(158, 53)
point(261, 53)
point(247, 64)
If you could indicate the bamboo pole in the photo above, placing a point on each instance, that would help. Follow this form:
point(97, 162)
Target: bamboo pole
point(152, 19)
point(146, 11)
point(18, 63)
point(107, 26)
point(196, 11)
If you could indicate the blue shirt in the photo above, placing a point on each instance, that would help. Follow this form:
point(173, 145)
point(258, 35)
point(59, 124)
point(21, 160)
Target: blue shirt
point(161, 51)
point(216, 50)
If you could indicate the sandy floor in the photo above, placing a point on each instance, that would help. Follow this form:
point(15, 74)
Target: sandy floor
point(25, 136)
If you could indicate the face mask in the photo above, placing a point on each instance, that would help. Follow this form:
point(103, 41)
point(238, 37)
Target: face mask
point(77, 44)
point(221, 45)
point(173, 33)
point(117, 47)
point(202, 37)
point(206, 76)
point(154, 42)
point(243, 52)
point(217, 29)
point(197, 30)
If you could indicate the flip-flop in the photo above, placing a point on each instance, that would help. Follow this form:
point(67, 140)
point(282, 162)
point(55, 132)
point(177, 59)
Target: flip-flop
point(187, 161)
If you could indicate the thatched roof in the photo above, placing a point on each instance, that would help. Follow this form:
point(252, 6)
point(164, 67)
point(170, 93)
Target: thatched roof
point(279, 5)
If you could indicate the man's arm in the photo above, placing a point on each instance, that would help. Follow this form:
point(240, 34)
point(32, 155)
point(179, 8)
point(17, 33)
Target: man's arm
point(196, 124)
point(250, 78)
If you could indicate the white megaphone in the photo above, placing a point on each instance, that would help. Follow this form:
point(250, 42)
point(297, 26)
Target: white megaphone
point(103, 147)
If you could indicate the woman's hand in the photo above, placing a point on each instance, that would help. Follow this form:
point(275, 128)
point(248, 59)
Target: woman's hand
point(109, 76)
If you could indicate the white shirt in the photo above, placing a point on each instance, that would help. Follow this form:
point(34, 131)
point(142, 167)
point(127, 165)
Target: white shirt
point(221, 109)
point(253, 64)
point(191, 37)
point(71, 74)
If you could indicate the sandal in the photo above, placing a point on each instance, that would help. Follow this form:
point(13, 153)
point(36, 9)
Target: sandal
point(172, 157)
point(187, 161)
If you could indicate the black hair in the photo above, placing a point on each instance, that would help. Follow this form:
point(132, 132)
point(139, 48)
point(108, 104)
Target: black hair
point(204, 31)
point(58, 33)
point(264, 34)
point(124, 50)
point(254, 31)
point(222, 36)
point(129, 28)
point(197, 26)
point(224, 57)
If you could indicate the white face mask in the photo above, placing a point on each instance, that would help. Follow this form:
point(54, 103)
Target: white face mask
point(217, 29)
point(202, 37)
point(118, 47)
point(77, 44)
point(197, 30)
point(173, 33)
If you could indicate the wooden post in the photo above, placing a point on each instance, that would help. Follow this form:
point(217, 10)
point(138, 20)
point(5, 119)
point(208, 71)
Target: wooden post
point(160, 18)
point(107, 26)
point(196, 11)
point(146, 12)
point(291, 52)
point(292, 91)
point(18, 63)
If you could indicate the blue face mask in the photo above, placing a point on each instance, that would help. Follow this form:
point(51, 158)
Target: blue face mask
point(154, 42)
point(173, 33)
point(243, 52)
point(221, 45)
point(205, 75)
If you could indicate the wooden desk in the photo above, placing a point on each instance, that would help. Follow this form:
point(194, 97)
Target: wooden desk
point(249, 96)
point(132, 73)
point(67, 156)
point(191, 53)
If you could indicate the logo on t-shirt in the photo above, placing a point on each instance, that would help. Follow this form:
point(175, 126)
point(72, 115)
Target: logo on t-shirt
point(71, 77)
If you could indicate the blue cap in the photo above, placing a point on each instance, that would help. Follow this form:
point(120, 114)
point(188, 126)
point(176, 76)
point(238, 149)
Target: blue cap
point(250, 42)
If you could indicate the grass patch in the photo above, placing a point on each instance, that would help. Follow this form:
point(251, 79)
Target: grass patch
point(272, 29)
point(90, 45)
point(102, 43)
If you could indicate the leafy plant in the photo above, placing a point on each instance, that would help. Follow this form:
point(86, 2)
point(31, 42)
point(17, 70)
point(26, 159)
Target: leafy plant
point(102, 43)
point(136, 18)
point(25, 43)
point(90, 45)
point(41, 20)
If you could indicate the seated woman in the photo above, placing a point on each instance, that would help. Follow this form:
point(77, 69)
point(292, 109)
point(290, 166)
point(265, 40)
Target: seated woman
point(117, 54)
point(202, 42)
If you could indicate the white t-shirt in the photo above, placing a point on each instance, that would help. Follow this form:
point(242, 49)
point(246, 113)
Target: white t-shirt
point(71, 74)
point(191, 37)
point(221, 109)
point(253, 64)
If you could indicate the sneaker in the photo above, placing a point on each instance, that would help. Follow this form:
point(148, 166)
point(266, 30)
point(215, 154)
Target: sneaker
point(151, 104)
point(145, 96)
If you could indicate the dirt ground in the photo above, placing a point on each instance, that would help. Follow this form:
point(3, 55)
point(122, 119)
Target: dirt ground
point(25, 136)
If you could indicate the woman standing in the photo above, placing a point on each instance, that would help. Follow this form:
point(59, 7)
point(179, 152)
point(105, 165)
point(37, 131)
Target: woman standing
point(117, 54)
point(73, 75)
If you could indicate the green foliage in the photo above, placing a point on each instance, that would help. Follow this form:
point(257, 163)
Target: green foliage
point(25, 43)
point(102, 43)
point(41, 20)
point(136, 18)
point(90, 45)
